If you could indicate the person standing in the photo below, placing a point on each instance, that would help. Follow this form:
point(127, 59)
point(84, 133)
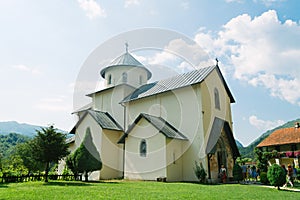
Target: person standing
point(244, 172)
point(223, 174)
point(254, 174)
point(249, 173)
point(290, 172)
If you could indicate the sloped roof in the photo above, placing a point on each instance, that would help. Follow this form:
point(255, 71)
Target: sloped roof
point(179, 81)
point(125, 59)
point(110, 88)
point(70, 140)
point(84, 108)
point(104, 119)
point(215, 134)
point(160, 124)
point(282, 136)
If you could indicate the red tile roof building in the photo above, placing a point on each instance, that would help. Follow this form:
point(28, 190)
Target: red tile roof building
point(281, 137)
point(286, 142)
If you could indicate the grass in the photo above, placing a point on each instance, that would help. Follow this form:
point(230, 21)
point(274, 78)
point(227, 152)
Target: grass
point(138, 190)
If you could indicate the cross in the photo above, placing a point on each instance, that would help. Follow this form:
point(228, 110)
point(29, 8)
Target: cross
point(126, 46)
point(217, 62)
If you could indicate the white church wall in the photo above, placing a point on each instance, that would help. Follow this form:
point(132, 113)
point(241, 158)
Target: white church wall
point(174, 159)
point(183, 109)
point(109, 101)
point(153, 165)
point(112, 155)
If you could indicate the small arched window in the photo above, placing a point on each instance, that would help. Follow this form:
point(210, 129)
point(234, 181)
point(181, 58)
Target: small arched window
point(141, 80)
point(124, 77)
point(109, 79)
point(217, 99)
point(143, 148)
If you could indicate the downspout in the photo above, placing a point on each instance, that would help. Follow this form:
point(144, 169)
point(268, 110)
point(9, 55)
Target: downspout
point(124, 131)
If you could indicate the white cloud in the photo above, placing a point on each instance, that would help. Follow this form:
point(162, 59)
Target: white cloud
point(264, 125)
point(269, 2)
point(180, 50)
point(92, 8)
point(131, 2)
point(25, 68)
point(261, 51)
point(185, 5)
point(237, 1)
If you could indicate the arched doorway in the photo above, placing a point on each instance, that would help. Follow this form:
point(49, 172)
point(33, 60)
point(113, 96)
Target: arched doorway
point(221, 153)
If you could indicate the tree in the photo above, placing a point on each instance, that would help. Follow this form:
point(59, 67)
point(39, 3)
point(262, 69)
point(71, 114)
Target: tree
point(86, 158)
point(49, 146)
point(276, 176)
point(237, 172)
point(71, 164)
point(26, 153)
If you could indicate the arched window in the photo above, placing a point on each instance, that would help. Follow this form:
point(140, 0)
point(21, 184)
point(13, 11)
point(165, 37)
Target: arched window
point(124, 77)
point(143, 148)
point(109, 79)
point(217, 99)
point(141, 80)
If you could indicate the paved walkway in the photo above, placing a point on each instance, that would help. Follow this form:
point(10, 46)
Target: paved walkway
point(269, 186)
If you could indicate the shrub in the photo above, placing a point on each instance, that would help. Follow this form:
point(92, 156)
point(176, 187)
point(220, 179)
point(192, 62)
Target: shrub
point(200, 172)
point(264, 178)
point(276, 175)
point(298, 174)
point(237, 172)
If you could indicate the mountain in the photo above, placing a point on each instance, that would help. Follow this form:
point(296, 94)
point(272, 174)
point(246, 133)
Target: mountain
point(248, 151)
point(238, 144)
point(20, 128)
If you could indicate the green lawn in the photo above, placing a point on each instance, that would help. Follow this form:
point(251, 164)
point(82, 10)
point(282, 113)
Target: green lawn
point(138, 190)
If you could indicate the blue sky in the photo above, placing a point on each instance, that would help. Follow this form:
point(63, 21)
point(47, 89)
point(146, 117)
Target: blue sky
point(45, 43)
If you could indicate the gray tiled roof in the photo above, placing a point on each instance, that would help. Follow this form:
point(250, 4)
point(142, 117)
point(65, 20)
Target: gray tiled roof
point(160, 124)
point(164, 127)
point(179, 81)
point(105, 120)
point(125, 59)
point(84, 108)
point(215, 134)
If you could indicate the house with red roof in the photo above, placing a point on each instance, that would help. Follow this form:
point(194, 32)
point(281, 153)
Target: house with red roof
point(286, 142)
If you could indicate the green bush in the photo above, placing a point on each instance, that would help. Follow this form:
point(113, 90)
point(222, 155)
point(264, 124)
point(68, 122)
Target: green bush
point(276, 175)
point(200, 172)
point(237, 172)
point(264, 178)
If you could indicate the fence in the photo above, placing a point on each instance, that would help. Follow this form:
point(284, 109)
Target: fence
point(25, 178)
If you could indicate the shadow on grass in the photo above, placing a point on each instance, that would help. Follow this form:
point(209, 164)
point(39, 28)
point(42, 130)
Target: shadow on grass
point(2, 185)
point(65, 183)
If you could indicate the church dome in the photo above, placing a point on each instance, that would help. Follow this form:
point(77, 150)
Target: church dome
point(125, 60)
point(125, 69)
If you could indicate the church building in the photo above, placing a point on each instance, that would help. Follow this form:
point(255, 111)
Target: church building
point(146, 131)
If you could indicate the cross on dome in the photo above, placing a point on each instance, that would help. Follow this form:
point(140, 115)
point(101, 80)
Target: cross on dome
point(126, 47)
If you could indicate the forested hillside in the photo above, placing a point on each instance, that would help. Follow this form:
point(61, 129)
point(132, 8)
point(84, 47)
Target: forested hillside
point(7, 142)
